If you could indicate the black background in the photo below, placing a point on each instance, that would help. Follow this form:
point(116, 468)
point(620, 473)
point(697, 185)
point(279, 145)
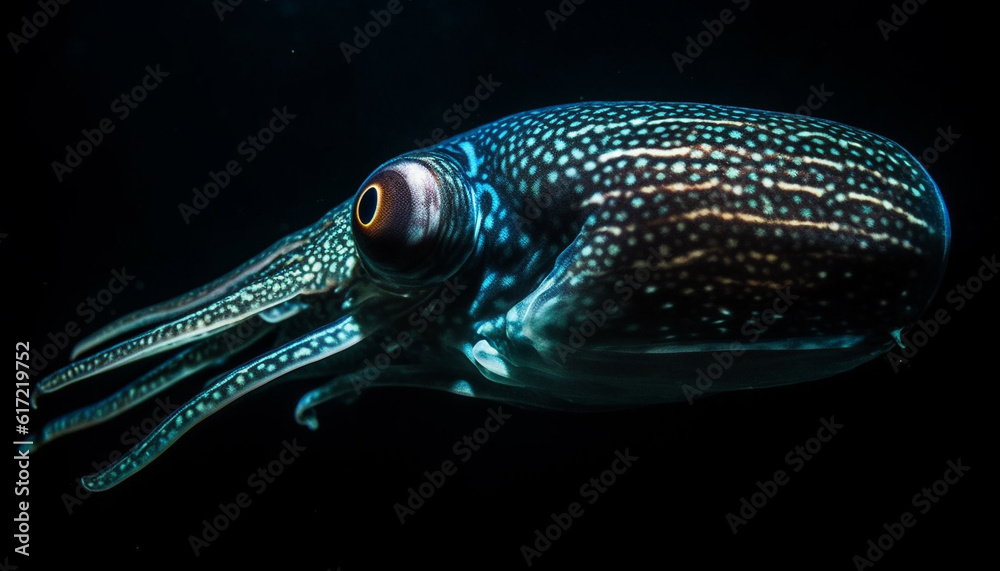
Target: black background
point(333, 506)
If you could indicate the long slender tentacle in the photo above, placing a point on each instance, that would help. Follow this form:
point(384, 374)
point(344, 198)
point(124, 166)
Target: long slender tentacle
point(252, 299)
point(347, 388)
point(310, 348)
point(183, 304)
point(456, 380)
point(320, 261)
point(207, 354)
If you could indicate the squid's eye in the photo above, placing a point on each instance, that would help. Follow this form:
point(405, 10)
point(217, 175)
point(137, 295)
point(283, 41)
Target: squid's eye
point(415, 221)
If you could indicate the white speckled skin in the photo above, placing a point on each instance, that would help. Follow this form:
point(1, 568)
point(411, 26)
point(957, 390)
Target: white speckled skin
point(580, 256)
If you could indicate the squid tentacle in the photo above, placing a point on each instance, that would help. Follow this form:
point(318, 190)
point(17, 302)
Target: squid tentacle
point(210, 353)
point(453, 380)
point(184, 303)
point(668, 230)
point(283, 253)
point(319, 344)
point(347, 388)
point(223, 314)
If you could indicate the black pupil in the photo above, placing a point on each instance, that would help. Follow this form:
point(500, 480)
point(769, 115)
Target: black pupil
point(367, 205)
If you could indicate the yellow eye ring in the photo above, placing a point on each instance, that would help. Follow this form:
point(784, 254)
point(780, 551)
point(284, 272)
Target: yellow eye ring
point(365, 202)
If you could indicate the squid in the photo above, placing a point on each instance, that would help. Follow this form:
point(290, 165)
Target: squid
point(586, 256)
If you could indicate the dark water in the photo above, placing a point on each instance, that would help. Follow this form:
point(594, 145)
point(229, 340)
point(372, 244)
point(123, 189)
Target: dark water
point(332, 507)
